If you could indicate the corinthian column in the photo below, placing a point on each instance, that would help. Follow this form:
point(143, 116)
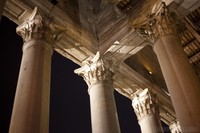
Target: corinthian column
point(31, 105)
point(98, 75)
point(182, 83)
point(147, 112)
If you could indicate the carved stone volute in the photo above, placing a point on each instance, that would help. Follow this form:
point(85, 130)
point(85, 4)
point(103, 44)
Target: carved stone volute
point(96, 70)
point(145, 104)
point(36, 27)
point(158, 23)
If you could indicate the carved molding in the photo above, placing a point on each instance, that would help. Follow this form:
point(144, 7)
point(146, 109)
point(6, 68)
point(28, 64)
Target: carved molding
point(167, 116)
point(145, 104)
point(36, 27)
point(175, 127)
point(96, 70)
point(158, 23)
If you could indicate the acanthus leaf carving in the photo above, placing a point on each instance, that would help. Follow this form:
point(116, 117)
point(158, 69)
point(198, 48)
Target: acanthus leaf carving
point(158, 23)
point(96, 70)
point(145, 104)
point(36, 27)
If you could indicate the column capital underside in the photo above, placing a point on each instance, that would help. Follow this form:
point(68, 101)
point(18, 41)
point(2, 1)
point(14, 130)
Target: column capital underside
point(158, 23)
point(145, 104)
point(96, 70)
point(38, 27)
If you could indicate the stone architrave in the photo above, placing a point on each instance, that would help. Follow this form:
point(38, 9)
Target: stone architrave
point(161, 30)
point(31, 105)
point(147, 111)
point(175, 127)
point(98, 75)
point(2, 4)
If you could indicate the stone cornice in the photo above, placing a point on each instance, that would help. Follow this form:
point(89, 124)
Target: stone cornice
point(158, 23)
point(145, 104)
point(96, 70)
point(36, 27)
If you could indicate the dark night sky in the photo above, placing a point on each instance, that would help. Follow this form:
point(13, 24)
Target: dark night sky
point(69, 107)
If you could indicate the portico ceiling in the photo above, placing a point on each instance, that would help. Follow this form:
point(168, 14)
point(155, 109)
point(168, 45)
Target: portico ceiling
point(89, 26)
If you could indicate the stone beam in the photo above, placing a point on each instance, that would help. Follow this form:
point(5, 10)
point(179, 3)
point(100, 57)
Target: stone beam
point(2, 4)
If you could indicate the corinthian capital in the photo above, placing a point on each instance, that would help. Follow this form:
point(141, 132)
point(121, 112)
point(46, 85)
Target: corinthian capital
point(145, 104)
point(96, 70)
point(158, 23)
point(36, 27)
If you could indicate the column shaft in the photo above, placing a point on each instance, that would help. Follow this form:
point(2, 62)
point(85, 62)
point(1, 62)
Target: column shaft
point(103, 110)
point(98, 74)
point(181, 80)
point(31, 105)
point(150, 124)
